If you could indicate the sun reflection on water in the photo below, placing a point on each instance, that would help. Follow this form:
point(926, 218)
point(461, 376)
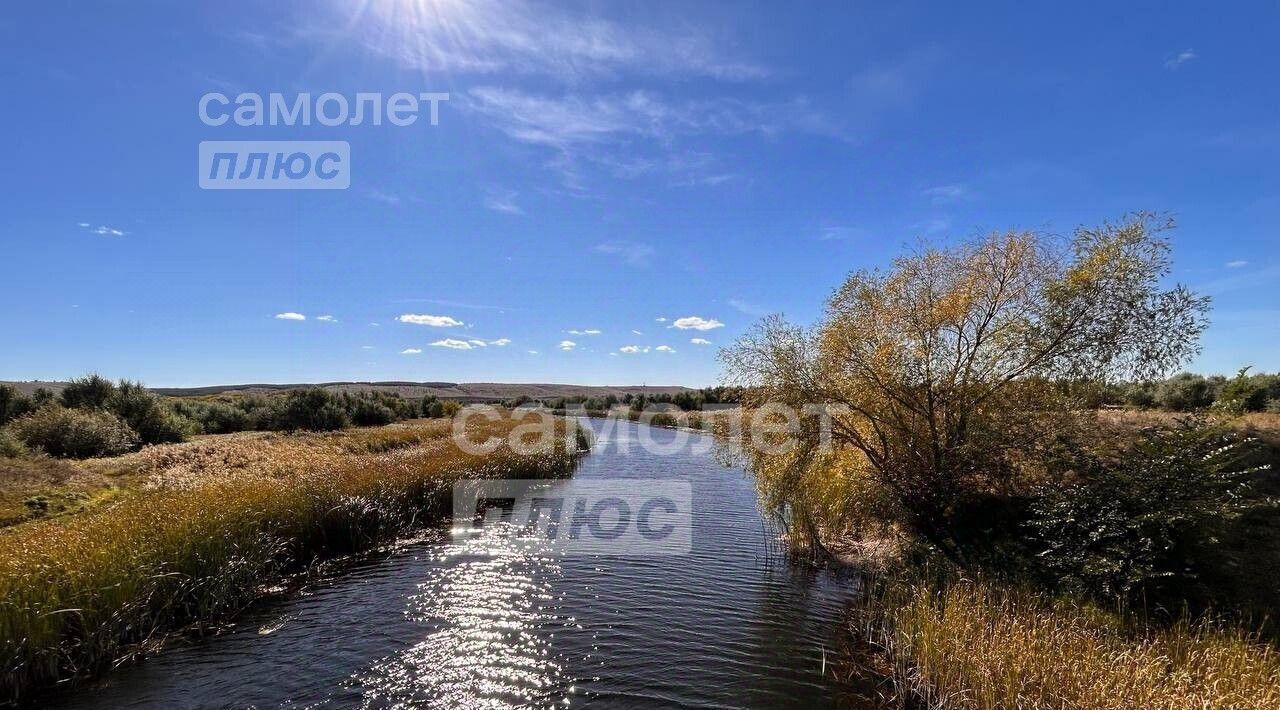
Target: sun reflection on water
point(491, 612)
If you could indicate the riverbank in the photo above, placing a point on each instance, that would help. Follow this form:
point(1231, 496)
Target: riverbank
point(194, 532)
point(946, 640)
point(968, 644)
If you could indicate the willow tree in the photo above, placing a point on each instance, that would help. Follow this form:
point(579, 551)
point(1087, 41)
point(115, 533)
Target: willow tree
point(947, 373)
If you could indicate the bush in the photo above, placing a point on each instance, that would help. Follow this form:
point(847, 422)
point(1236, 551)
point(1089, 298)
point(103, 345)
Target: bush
point(72, 433)
point(366, 412)
point(1120, 522)
point(215, 417)
point(154, 420)
point(10, 447)
point(1243, 393)
point(92, 392)
point(313, 409)
point(13, 404)
point(1184, 393)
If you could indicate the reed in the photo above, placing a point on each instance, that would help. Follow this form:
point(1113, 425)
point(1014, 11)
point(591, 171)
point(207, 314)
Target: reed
point(212, 526)
point(973, 645)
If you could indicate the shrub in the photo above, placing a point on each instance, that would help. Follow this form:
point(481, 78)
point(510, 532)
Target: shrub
point(154, 420)
point(366, 412)
point(1120, 522)
point(92, 392)
point(215, 417)
point(1243, 393)
point(1184, 393)
point(71, 433)
point(451, 408)
point(312, 409)
point(13, 404)
point(10, 446)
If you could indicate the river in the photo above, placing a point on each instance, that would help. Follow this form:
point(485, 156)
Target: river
point(476, 621)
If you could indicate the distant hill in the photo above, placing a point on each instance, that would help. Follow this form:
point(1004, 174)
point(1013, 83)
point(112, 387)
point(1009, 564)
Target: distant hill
point(461, 391)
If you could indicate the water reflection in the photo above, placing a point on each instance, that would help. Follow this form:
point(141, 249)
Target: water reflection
point(490, 597)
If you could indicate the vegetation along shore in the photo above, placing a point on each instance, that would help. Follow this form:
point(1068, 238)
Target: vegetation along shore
point(105, 555)
point(1037, 534)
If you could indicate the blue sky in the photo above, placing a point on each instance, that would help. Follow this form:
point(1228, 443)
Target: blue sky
point(599, 166)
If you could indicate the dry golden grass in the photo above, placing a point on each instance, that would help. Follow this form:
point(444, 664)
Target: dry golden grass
point(212, 522)
point(975, 646)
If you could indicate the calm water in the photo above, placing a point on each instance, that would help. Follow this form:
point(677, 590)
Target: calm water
point(481, 622)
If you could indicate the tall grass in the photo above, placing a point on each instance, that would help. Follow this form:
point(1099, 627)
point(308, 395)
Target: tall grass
point(971, 645)
point(213, 527)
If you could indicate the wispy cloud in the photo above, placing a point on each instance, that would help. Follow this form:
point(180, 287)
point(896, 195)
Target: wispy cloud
point(567, 345)
point(454, 344)
point(501, 342)
point(433, 321)
point(836, 233)
point(502, 200)
point(699, 341)
point(411, 351)
point(573, 120)
point(750, 309)
point(513, 37)
point(933, 225)
point(637, 133)
point(384, 197)
point(665, 349)
point(633, 253)
point(942, 195)
point(1237, 264)
point(660, 319)
point(636, 332)
point(588, 331)
point(103, 230)
point(327, 318)
point(696, 323)
point(290, 315)
point(1175, 61)
point(633, 349)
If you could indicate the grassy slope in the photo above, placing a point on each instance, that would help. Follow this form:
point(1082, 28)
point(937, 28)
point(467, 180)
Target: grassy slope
point(196, 530)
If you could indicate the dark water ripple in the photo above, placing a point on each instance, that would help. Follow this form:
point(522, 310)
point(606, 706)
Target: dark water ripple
point(478, 622)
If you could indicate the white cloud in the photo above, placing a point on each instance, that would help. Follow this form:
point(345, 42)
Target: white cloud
point(588, 331)
point(103, 230)
point(633, 253)
point(750, 309)
point(1237, 264)
point(946, 194)
point(515, 37)
point(932, 226)
point(501, 342)
point(366, 347)
point(327, 318)
point(375, 325)
point(383, 197)
point(454, 344)
point(699, 341)
point(665, 349)
point(478, 343)
point(567, 345)
point(633, 349)
point(532, 352)
point(1177, 60)
point(411, 351)
point(433, 321)
point(502, 200)
point(660, 319)
point(290, 315)
point(636, 332)
point(696, 323)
